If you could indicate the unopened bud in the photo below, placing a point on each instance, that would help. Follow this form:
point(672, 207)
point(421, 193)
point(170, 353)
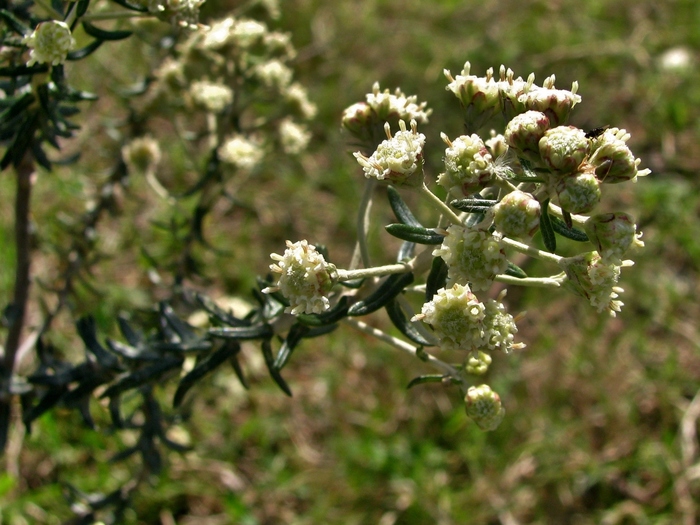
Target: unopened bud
point(613, 234)
point(484, 406)
point(578, 192)
point(524, 132)
point(517, 215)
point(564, 148)
point(612, 158)
point(477, 363)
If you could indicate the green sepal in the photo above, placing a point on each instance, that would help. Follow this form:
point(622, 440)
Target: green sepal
point(546, 229)
point(205, 366)
point(406, 327)
point(274, 372)
point(437, 278)
point(400, 208)
point(331, 316)
point(570, 233)
point(102, 34)
point(430, 378)
point(515, 271)
point(416, 234)
point(390, 288)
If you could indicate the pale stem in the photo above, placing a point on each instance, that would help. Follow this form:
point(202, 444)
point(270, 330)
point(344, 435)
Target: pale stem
point(578, 219)
point(418, 264)
point(361, 249)
point(437, 203)
point(537, 282)
point(403, 345)
point(532, 252)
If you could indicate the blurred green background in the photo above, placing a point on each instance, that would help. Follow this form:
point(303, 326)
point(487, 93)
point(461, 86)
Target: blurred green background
point(601, 427)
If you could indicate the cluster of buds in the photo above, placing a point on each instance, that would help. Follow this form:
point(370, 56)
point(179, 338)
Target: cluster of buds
point(540, 174)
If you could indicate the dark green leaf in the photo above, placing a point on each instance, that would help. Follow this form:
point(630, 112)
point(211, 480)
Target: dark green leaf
point(15, 23)
point(17, 107)
point(437, 278)
point(49, 400)
point(205, 366)
point(401, 210)
point(415, 234)
point(294, 337)
point(219, 314)
point(132, 7)
point(406, 327)
point(79, 54)
point(239, 371)
point(102, 34)
point(570, 233)
point(331, 316)
point(406, 252)
point(81, 8)
point(143, 375)
point(87, 331)
point(421, 380)
point(183, 330)
point(473, 205)
point(274, 372)
point(515, 271)
point(546, 229)
point(259, 331)
point(22, 141)
point(390, 288)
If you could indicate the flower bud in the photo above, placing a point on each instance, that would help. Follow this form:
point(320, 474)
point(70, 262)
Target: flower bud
point(578, 192)
point(477, 363)
point(399, 159)
point(211, 96)
point(564, 148)
point(305, 278)
point(293, 137)
point(517, 215)
point(455, 315)
point(142, 154)
point(50, 43)
point(612, 158)
point(613, 234)
point(555, 103)
point(358, 120)
point(472, 256)
point(479, 96)
point(524, 132)
point(590, 277)
point(483, 405)
point(468, 165)
point(241, 152)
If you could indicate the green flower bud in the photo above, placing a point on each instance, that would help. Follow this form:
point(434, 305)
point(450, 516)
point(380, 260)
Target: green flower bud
point(484, 406)
point(472, 256)
point(455, 314)
point(477, 363)
point(479, 96)
point(524, 132)
point(563, 149)
point(590, 277)
point(578, 192)
point(555, 103)
point(305, 278)
point(468, 165)
point(612, 158)
point(517, 215)
point(613, 234)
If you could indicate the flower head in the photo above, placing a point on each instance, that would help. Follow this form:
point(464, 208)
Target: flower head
point(241, 152)
point(305, 278)
point(499, 327)
point(613, 234)
point(469, 166)
point(472, 256)
point(517, 215)
point(612, 158)
point(555, 103)
point(484, 406)
point(578, 192)
point(399, 159)
point(397, 106)
point(523, 134)
point(294, 137)
point(50, 43)
point(456, 316)
point(477, 363)
point(511, 90)
point(142, 154)
point(212, 96)
point(479, 96)
point(591, 277)
point(564, 148)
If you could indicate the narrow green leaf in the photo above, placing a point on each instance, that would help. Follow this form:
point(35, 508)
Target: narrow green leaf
point(14, 22)
point(79, 54)
point(570, 233)
point(132, 7)
point(143, 375)
point(102, 34)
point(401, 209)
point(259, 331)
point(515, 271)
point(406, 327)
point(548, 237)
point(204, 367)
point(274, 372)
point(294, 337)
point(421, 380)
point(437, 278)
point(390, 288)
point(415, 234)
point(473, 205)
point(331, 316)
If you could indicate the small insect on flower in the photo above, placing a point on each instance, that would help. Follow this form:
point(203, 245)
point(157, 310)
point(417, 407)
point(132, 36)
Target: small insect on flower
point(596, 132)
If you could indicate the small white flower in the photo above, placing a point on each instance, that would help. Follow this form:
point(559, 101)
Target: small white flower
point(241, 152)
point(305, 278)
point(273, 74)
point(397, 104)
point(213, 96)
point(294, 137)
point(246, 32)
point(50, 43)
point(397, 158)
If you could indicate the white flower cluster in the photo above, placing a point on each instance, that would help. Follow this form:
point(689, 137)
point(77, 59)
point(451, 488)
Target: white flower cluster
point(241, 152)
point(49, 43)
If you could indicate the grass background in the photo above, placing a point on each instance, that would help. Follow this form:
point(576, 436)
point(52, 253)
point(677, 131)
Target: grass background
point(600, 427)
